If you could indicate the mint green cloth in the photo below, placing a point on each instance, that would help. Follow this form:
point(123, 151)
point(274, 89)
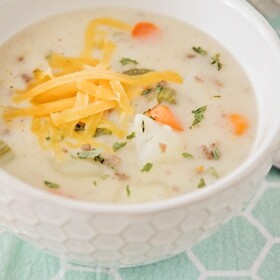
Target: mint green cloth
point(271, 10)
point(246, 248)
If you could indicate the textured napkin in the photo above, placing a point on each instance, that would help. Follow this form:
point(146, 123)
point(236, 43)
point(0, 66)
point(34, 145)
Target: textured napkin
point(246, 248)
point(271, 10)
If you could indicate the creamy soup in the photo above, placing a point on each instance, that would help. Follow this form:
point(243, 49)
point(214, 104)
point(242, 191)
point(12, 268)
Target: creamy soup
point(122, 106)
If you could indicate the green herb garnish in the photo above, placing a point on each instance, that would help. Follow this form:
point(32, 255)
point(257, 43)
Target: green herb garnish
point(128, 191)
point(187, 155)
point(118, 145)
point(200, 50)
point(167, 94)
point(131, 136)
point(216, 153)
point(126, 60)
point(216, 61)
point(51, 185)
point(4, 148)
point(201, 184)
point(217, 96)
point(151, 91)
point(92, 154)
point(162, 93)
point(147, 167)
point(137, 71)
point(102, 131)
point(198, 115)
point(147, 91)
point(143, 126)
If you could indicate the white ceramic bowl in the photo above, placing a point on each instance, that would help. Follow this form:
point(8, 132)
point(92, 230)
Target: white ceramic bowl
point(118, 235)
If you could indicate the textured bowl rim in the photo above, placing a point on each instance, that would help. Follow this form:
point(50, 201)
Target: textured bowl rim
point(238, 175)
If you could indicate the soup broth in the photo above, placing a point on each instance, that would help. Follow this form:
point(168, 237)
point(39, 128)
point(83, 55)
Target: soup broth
point(120, 106)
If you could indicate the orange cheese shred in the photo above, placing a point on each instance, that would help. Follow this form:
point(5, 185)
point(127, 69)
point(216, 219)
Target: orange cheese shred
point(74, 96)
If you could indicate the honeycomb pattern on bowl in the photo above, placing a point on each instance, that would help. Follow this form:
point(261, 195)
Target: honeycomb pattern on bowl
point(246, 247)
point(116, 239)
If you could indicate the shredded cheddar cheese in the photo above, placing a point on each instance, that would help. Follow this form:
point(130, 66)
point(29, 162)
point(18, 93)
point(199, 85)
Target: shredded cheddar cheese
point(92, 35)
point(80, 112)
point(83, 90)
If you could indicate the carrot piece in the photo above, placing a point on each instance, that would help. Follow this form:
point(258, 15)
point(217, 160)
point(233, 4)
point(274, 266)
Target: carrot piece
point(164, 115)
point(239, 123)
point(144, 29)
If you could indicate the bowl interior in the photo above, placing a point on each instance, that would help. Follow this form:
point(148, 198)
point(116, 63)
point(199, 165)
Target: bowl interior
point(235, 24)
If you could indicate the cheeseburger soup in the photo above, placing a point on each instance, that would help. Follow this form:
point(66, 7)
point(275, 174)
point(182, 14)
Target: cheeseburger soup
point(121, 106)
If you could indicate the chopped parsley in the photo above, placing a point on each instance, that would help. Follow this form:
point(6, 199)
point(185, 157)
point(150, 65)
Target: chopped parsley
point(161, 93)
point(137, 71)
point(216, 61)
point(131, 136)
point(153, 90)
point(51, 185)
point(99, 158)
point(143, 126)
point(198, 115)
point(216, 153)
point(118, 145)
point(92, 154)
point(128, 191)
point(200, 50)
point(4, 148)
point(147, 167)
point(201, 184)
point(126, 60)
point(102, 131)
point(187, 155)
point(167, 94)
point(147, 91)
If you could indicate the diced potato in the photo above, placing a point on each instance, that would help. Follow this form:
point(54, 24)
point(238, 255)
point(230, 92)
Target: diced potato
point(155, 142)
point(77, 167)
